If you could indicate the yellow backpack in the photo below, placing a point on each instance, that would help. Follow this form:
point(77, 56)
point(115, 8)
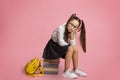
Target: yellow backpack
point(34, 68)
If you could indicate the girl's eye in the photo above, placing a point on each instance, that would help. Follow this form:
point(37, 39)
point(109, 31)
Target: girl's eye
point(75, 27)
point(72, 25)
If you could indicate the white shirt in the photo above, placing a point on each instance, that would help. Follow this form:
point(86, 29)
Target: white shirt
point(58, 36)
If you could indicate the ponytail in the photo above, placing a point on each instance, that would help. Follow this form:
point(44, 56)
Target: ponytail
point(83, 36)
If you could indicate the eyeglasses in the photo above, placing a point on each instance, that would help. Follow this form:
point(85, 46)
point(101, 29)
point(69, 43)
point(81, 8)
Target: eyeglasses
point(72, 25)
point(75, 27)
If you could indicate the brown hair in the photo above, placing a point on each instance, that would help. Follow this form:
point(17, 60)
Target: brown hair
point(82, 29)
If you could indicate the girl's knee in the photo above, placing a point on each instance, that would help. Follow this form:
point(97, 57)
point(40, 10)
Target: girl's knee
point(75, 49)
point(70, 49)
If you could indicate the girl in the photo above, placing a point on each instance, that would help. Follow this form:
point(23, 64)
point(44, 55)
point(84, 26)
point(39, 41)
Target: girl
point(63, 45)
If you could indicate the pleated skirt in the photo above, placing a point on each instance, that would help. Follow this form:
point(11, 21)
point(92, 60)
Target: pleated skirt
point(53, 50)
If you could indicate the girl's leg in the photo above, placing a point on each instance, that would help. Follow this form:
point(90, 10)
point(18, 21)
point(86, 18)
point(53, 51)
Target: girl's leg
point(75, 57)
point(68, 57)
point(67, 72)
point(75, 63)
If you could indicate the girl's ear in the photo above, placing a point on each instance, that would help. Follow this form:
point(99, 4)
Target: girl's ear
point(79, 29)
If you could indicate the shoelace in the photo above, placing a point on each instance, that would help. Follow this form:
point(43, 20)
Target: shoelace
point(71, 71)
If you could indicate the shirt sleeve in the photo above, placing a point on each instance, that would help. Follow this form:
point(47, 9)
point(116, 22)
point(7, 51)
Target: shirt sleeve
point(60, 34)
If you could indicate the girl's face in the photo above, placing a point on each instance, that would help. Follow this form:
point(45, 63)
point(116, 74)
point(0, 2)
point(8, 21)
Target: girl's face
point(73, 26)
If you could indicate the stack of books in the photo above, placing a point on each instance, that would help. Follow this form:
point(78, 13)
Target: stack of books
point(51, 66)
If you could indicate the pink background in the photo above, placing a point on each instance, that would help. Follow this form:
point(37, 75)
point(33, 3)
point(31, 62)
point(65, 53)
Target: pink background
point(26, 26)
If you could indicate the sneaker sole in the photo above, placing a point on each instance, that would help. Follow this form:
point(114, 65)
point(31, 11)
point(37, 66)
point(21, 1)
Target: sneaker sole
point(69, 77)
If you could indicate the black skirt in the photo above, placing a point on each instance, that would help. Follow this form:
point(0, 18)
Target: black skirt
point(53, 50)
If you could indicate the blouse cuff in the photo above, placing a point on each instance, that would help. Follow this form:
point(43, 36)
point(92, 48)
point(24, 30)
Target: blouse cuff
point(72, 42)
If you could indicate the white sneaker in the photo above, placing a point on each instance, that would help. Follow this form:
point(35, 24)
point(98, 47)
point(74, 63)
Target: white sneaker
point(69, 74)
point(80, 73)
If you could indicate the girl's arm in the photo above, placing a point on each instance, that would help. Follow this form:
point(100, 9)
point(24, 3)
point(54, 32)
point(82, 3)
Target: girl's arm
point(61, 41)
point(72, 38)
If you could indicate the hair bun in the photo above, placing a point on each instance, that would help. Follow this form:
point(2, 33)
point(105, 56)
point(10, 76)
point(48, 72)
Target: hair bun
point(73, 15)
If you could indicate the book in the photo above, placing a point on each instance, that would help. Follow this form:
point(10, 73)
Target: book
point(51, 66)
